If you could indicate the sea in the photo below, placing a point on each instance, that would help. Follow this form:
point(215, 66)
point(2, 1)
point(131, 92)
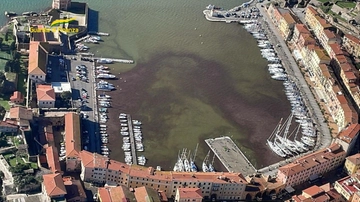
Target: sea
point(192, 79)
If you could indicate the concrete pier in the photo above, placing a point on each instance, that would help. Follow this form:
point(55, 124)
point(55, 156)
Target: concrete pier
point(230, 155)
point(116, 60)
point(132, 141)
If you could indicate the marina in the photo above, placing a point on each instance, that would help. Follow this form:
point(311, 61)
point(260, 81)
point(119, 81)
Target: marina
point(230, 155)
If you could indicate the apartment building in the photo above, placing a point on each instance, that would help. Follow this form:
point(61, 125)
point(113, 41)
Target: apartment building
point(61, 4)
point(188, 194)
point(335, 49)
point(316, 23)
point(352, 44)
point(328, 37)
point(311, 165)
point(99, 169)
point(38, 58)
point(348, 138)
point(348, 186)
point(352, 164)
point(314, 57)
point(286, 26)
point(302, 38)
point(72, 141)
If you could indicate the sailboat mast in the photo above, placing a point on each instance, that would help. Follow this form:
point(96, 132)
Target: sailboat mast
point(197, 145)
point(213, 159)
point(288, 125)
point(275, 130)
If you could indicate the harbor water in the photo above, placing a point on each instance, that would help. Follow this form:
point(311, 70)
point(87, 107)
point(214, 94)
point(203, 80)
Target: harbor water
point(192, 79)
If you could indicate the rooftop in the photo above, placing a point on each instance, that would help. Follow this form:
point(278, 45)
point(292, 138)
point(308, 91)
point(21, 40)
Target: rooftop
point(289, 18)
point(20, 113)
point(146, 194)
point(302, 28)
point(45, 93)
point(329, 34)
point(52, 157)
point(349, 133)
point(16, 95)
point(37, 59)
point(352, 38)
point(72, 134)
point(349, 184)
point(60, 87)
point(355, 159)
point(54, 184)
point(311, 160)
point(190, 193)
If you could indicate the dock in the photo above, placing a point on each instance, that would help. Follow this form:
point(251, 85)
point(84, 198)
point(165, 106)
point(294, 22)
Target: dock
point(116, 60)
point(132, 141)
point(81, 39)
point(230, 155)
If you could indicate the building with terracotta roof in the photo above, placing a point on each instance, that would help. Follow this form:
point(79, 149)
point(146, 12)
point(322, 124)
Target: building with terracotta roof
point(352, 44)
point(74, 190)
point(348, 138)
point(311, 165)
point(313, 58)
point(53, 186)
point(286, 27)
point(61, 4)
point(352, 164)
point(17, 98)
point(52, 157)
point(318, 194)
point(21, 115)
point(8, 127)
point(316, 23)
point(99, 169)
point(38, 59)
point(72, 141)
point(356, 197)
point(299, 28)
point(348, 186)
point(146, 194)
point(328, 37)
point(115, 194)
point(45, 96)
point(188, 194)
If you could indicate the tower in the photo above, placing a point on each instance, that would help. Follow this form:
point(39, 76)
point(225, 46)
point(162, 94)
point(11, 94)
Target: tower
point(61, 4)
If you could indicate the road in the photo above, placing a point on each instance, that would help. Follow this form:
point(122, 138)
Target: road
point(87, 105)
point(324, 138)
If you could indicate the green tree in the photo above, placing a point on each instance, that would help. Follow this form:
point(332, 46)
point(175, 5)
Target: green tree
point(6, 36)
point(12, 46)
point(1, 40)
point(65, 95)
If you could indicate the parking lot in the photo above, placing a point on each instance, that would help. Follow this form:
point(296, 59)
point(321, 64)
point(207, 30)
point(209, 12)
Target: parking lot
point(84, 97)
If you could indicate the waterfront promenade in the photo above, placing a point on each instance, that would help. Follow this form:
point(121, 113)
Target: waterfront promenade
point(230, 155)
point(324, 136)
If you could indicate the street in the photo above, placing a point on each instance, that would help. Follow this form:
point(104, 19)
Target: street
point(87, 105)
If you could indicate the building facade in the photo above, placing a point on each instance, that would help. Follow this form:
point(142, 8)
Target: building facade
point(61, 4)
point(352, 44)
point(352, 164)
point(312, 164)
point(45, 96)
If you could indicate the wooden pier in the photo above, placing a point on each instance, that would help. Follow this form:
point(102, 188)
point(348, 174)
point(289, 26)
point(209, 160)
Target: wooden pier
point(81, 39)
point(230, 155)
point(132, 141)
point(116, 60)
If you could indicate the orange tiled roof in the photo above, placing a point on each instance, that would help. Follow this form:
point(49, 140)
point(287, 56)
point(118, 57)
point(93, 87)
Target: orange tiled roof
point(346, 67)
point(72, 134)
point(190, 193)
point(329, 34)
point(37, 59)
point(20, 113)
point(92, 160)
point(288, 18)
point(112, 194)
point(145, 193)
point(312, 160)
point(302, 28)
point(350, 75)
point(355, 159)
point(313, 191)
point(353, 38)
point(45, 93)
point(52, 157)
point(16, 95)
point(7, 124)
point(54, 185)
point(312, 10)
point(336, 48)
point(349, 133)
point(323, 22)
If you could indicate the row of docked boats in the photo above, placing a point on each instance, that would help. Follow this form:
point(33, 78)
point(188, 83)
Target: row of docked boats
point(93, 39)
point(103, 72)
point(267, 51)
point(186, 162)
point(133, 127)
point(104, 140)
point(81, 47)
point(104, 86)
point(208, 166)
point(104, 102)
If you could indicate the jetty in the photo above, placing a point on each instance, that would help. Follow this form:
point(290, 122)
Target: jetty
point(116, 60)
point(132, 140)
point(230, 155)
point(99, 33)
point(81, 39)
